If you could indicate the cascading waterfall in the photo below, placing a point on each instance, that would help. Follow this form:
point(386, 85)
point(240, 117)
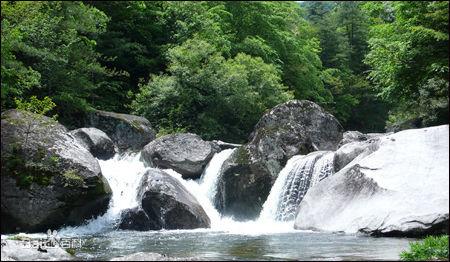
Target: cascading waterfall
point(123, 173)
point(206, 187)
point(299, 174)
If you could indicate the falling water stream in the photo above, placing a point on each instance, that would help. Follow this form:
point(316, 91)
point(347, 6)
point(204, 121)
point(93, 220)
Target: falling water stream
point(271, 236)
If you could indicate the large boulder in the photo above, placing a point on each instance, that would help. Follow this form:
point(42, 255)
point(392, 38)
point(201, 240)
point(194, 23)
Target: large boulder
point(47, 178)
point(185, 153)
point(127, 131)
point(295, 127)
point(96, 141)
point(166, 204)
point(401, 188)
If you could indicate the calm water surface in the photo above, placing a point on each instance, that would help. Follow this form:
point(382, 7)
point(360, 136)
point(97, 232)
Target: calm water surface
point(207, 245)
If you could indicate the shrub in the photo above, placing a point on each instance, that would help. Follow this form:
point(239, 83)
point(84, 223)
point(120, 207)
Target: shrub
point(431, 248)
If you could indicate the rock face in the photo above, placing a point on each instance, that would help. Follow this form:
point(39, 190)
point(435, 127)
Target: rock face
point(356, 136)
point(96, 141)
point(185, 153)
point(165, 203)
point(398, 188)
point(14, 251)
point(295, 127)
point(126, 131)
point(48, 179)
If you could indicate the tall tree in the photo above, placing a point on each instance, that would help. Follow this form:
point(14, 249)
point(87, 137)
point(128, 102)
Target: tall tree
point(342, 29)
point(55, 39)
point(409, 58)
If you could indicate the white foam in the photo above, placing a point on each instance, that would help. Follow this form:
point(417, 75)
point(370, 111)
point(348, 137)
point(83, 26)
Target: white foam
point(123, 173)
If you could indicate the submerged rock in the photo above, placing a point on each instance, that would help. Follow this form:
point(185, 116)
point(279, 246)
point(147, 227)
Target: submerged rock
point(96, 141)
point(398, 188)
point(13, 250)
point(48, 179)
point(185, 153)
point(127, 131)
point(295, 127)
point(136, 219)
point(166, 204)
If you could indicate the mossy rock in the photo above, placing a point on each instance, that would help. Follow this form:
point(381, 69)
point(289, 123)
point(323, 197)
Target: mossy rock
point(126, 131)
point(47, 178)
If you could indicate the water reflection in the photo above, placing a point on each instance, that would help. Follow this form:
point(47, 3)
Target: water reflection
point(221, 246)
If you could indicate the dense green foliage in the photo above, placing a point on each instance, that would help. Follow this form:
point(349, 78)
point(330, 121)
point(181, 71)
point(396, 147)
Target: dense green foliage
point(209, 94)
point(215, 67)
point(409, 60)
point(50, 52)
point(342, 28)
point(431, 248)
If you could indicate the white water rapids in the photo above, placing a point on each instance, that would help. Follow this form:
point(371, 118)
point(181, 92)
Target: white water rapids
point(124, 173)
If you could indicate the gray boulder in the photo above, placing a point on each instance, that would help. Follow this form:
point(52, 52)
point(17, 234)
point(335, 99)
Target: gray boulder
point(295, 127)
point(185, 153)
point(163, 203)
point(96, 141)
point(127, 131)
point(168, 204)
point(400, 187)
point(48, 179)
point(136, 219)
point(242, 189)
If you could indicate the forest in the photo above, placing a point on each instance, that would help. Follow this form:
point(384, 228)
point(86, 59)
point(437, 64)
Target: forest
point(214, 68)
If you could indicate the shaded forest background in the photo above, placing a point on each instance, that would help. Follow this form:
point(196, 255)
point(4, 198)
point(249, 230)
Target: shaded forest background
point(213, 68)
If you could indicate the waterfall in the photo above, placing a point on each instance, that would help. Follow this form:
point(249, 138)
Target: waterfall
point(123, 173)
point(205, 188)
point(294, 180)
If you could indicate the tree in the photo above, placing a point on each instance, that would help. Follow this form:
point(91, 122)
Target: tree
point(55, 40)
point(278, 33)
point(409, 60)
point(209, 94)
point(342, 29)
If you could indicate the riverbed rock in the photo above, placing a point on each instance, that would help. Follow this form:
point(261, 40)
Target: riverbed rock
point(225, 145)
point(168, 204)
point(96, 141)
point(48, 179)
point(136, 219)
point(126, 131)
point(399, 189)
point(356, 136)
point(291, 128)
point(13, 250)
point(185, 153)
point(354, 151)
